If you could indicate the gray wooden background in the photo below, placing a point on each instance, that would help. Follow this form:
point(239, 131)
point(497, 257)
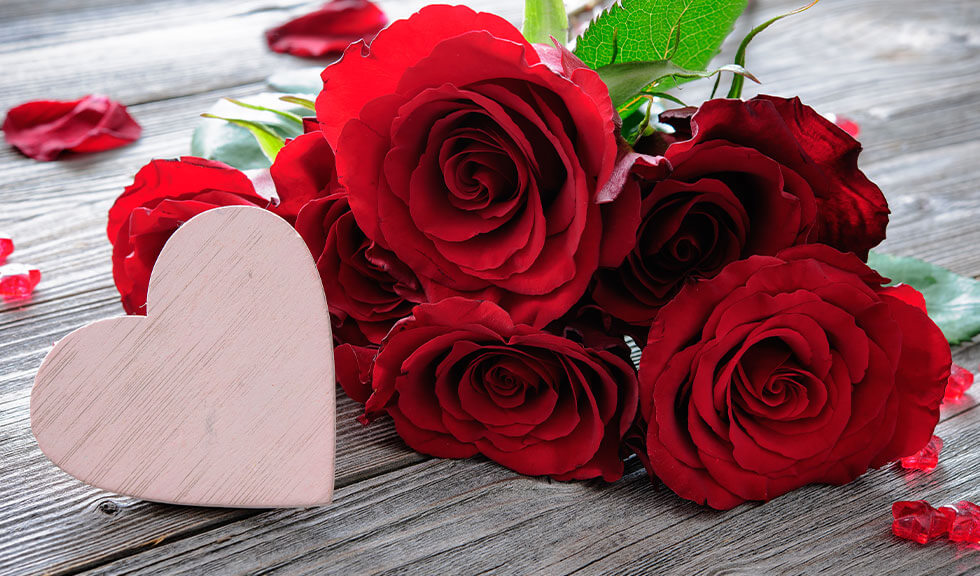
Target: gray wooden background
point(907, 70)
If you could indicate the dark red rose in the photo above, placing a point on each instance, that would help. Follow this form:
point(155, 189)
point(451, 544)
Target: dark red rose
point(460, 378)
point(367, 288)
point(327, 30)
point(748, 178)
point(46, 128)
point(784, 371)
point(164, 195)
point(477, 158)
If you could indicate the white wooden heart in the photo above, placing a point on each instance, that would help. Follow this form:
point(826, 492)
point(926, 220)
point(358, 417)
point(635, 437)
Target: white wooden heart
point(223, 395)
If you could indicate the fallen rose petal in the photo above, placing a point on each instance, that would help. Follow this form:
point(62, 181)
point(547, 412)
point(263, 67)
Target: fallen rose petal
point(46, 128)
point(329, 29)
point(6, 249)
point(17, 281)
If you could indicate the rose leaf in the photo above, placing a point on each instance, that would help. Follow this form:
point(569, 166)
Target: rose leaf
point(236, 145)
point(953, 301)
point(645, 30)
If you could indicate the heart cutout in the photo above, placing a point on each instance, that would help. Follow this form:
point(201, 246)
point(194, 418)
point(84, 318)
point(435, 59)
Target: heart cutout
point(223, 395)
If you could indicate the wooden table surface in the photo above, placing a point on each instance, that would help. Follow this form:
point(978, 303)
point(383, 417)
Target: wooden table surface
point(907, 71)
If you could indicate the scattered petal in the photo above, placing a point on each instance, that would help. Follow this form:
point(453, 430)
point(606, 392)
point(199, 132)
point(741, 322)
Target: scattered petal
point(328, 30)
point(925, 459)
point(45, 128)
point(17, 281)
point(960, 380)
point(920, 522)
point(6, 249)
point(966, 522)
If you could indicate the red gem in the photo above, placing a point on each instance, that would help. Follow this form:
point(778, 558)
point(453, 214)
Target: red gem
point(6, 249)
point(920, 522)
point(960, 380)
point(966, 522)
point(17, 281)
point(927, 458)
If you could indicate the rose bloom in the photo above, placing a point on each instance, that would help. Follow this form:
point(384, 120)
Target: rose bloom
point(164, 195)
point(460, 378)
point(478, 159)
point(747, 178)
point(787, 370)
point(46, 128)
point(367, 287)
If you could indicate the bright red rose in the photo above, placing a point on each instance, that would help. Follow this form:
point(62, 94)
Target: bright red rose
point(46, 128)
point(784, 371)
point(164, 195)
point(748, 178)
point(460, 378)
point(477, 158)
point(327, 30)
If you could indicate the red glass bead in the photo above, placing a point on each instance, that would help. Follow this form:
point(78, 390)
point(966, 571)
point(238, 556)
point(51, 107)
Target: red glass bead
point(966, 522)
point(17, 281)
point(960, 380)
point(6, 249)
point(920, 522)
point(927, 458)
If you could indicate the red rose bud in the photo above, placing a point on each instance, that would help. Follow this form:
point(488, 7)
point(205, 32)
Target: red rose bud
point(17, 281)
point(920, 522)
point(479, 160)
point(965, 526)
point(783, 371)
point(328, 30)
point(6, 249)
point(960, 380)
point(44, 129)
point(460, 378)
point(925, 459)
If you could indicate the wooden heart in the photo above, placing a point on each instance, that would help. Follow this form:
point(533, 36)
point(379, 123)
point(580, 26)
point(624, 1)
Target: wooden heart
point(223, 395)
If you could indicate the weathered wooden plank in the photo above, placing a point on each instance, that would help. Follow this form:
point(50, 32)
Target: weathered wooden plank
point(472, 517)
point(918, 113)
point(190, 50)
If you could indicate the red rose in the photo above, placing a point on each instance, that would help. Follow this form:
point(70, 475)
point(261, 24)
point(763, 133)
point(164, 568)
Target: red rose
point(477, 158)
point(460, 378)
point(784, 371)
point(164, 195)
point(748, 178)
point(367, 288)
point(329, 29)
point(46, 128)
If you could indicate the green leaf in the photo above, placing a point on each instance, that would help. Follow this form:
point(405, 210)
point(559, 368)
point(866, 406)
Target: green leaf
point(627, 79)
point(953, 301)
point(281, 113)
point(544, 19)
point(269, 143)
point(235, 145)
point(304, 102)
point(298, 81)
point(738, 81)
point(641, 30)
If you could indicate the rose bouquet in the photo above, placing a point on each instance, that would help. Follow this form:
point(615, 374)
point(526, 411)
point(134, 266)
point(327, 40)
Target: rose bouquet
point(498, 219)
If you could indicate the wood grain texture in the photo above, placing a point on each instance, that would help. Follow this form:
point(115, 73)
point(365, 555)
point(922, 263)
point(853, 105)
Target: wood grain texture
point(474, 517)
point(905, 70)
point(223, 395)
